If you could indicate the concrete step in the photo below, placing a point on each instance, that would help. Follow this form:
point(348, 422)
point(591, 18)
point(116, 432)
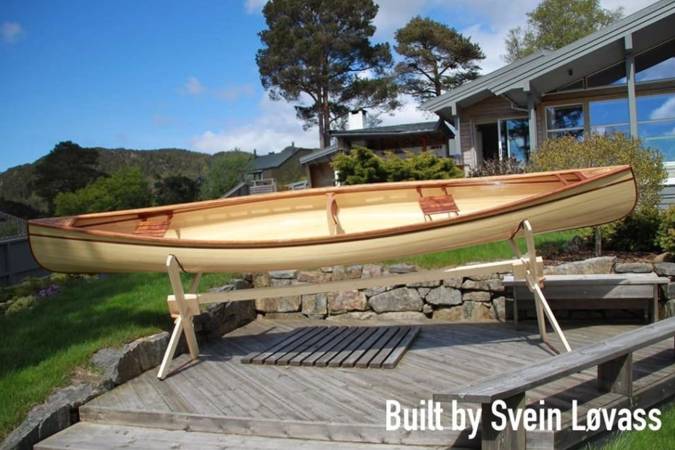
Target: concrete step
point(89, 436)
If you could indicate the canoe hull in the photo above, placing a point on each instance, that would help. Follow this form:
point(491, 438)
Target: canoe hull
point(600, 201)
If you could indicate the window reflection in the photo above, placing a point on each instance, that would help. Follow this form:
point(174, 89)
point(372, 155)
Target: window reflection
point(656, 123)
point(565, 120)
point(609, 116)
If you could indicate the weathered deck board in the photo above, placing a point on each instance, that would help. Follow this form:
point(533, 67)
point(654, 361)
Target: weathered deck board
point(335, 403)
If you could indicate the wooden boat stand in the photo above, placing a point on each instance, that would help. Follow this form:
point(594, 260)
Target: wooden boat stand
point(184, 305)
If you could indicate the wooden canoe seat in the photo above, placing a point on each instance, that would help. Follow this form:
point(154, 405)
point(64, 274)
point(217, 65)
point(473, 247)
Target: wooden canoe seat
point(153, 226)
point(437, 204)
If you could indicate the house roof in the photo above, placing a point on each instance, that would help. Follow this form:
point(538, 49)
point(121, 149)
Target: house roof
point(273, 160)
point(319, 153)
point(545, 71)
point(395, 130)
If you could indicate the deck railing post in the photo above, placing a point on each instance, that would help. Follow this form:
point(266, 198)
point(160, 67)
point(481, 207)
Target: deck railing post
point(507, 439)
point(616, 376)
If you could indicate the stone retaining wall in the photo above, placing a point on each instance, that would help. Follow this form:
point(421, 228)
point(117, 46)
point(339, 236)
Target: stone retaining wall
point(468, 298)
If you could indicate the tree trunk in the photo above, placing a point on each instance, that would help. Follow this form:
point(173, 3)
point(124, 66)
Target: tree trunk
point(598, 241)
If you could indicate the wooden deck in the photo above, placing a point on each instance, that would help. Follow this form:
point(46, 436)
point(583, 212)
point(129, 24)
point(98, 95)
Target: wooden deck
point(220, 394)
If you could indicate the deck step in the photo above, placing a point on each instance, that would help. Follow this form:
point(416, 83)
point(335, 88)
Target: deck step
point(89, 436)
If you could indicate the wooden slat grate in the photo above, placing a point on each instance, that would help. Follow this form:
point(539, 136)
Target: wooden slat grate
point(362, 347)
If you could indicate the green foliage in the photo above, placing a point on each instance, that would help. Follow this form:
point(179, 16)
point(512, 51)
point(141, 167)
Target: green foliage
point(124, 189)
point(636, 233)
point(597, 151)
point(493, 167)
point(224, 172)
point(175, 189)
point(362, 165)
point(321, 50)
point(67, 168)
point(42, 346)
point(21, 303)
point(556, 23)
point(436, 58)
point(665, 237)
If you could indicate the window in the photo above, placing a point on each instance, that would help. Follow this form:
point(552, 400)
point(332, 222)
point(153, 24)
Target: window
point(515, 135)
point(565, 120)
point(656, 123)
point(656, 64)
point(609, 116)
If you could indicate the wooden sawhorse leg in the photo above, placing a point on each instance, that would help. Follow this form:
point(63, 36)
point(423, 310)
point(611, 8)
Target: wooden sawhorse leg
point(183, 312)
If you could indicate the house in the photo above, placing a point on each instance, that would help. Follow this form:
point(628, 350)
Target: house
point(398, 139)
point(618, 79)
point(273, 170)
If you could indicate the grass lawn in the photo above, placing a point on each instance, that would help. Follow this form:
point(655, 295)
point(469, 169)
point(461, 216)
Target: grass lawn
point(493, 251)
point(645, 439)
point(41, 347)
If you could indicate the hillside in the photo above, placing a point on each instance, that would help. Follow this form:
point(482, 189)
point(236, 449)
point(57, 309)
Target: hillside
point(16, 182)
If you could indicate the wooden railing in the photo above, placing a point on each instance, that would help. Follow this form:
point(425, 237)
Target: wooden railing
point(264, 186)
point(613, 358)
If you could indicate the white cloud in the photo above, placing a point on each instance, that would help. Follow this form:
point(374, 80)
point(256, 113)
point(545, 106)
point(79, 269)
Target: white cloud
point(235, 92)
point(275, 128)
point(408, 113)
point(193, 86)
point(11, 32)
point(665, 111)
point(254, 6)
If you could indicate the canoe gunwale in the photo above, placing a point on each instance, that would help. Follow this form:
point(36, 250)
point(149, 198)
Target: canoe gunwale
point(66, 223)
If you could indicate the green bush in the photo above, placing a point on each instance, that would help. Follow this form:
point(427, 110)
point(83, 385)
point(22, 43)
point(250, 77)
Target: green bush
point(124, 189)
point(493, 167)
point(636, 233)
point(665, 237)
point(361, 165)
point(596, 151)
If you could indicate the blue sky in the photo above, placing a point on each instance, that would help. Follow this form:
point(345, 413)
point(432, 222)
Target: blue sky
point(152, 74)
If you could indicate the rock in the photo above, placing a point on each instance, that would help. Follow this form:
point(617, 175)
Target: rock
point(476, 310)
point(482, 277)
point(663, 257)
point(427, 309)
point(476, 285)
point(313, 304)
point(444, 295)
point(453, 282)
point(399, 299)
point(668, 291)
point(354, 315)
point(223, 288)
point(402, 268)
point(347, 272)
point(371, 271)
point(283, 274)
point(347, 301)
point(121, 365)
point(498, 310)
point(285, 316)
point(634, 267)
point(52, 416)
point(453, 314)
point(377, 290)
point(313, 277)
point(280, 304)
point(402, 315)
point(669, 309)
point(476, 296)
point(261, 279)
point(600, 265)
point(665, 269)
point(240, 283)
point(221, 318)
point(327, 269)
point(422, 291)
point(426, 284)
point(281, 282)
point(496, 285)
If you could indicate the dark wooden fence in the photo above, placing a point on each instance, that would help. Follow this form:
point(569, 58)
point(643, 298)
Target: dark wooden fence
point(16, 261)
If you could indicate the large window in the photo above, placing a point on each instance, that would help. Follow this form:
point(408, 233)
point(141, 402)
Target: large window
point(565, 120)
point(609, 116)
point(656, 64)
point(515, 139)
point(656, 123)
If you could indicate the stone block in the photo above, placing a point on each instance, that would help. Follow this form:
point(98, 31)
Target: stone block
point(444, 295)
point(399, 299)
point(347, 301)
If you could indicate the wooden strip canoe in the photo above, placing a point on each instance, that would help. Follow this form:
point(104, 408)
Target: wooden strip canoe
point(337, 225)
